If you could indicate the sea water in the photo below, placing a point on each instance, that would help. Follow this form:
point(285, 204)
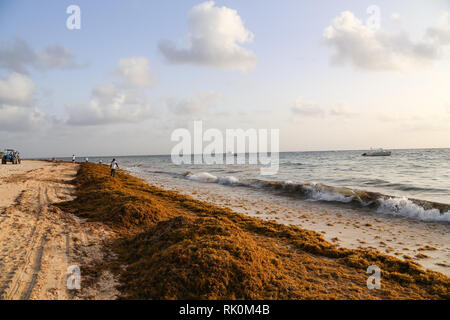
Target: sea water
point(395, 184)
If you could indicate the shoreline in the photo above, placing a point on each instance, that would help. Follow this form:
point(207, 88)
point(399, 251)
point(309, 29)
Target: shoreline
point(425, 242)
point(362, 198)
point(137, 241)
point(177, 247)
point(426, 195)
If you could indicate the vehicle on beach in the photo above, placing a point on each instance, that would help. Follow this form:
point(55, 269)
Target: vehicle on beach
point(10, 155)
point(377, 153)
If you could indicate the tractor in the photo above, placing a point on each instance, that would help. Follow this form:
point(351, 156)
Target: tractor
point(10, 155)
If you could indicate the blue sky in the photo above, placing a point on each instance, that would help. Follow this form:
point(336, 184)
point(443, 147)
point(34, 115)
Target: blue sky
point(293, 85)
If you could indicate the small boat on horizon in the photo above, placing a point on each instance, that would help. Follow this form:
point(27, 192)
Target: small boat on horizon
point(377, 153)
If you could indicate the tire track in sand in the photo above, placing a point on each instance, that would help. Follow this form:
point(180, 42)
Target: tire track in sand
point(30, 249)
point(36, 244)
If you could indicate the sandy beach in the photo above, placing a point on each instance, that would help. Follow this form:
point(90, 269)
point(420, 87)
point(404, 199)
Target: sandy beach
point(38, 241)
point(136, 241)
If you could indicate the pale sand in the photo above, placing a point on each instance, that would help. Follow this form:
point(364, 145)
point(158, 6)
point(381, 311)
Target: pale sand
point(38, 242)
point(344, 226)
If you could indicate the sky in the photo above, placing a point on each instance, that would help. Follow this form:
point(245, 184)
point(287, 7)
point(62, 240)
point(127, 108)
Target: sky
point(330, 75)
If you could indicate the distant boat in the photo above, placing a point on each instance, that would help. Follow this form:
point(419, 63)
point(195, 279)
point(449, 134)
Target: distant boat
point(377, 153)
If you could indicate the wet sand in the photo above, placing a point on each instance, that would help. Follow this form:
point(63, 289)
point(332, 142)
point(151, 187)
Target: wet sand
point(39, 241)
point(427, 243)
point(176, 247)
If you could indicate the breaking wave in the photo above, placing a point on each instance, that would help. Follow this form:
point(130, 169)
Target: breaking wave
point(397, 206)
point(406, 207)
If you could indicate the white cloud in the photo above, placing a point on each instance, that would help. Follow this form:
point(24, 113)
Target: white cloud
point(117, 103)
point(198, 105)
point(397, 19)
point(342, 110)
point(16, 118)
point(307, 109)
point(135, 71)
point(441, 31)
point(16, 114)
point(312, 109)
point(110, 104)
point(54, 57)
point(371, 49)
point(16, 89)
point(213, 39)
point(18, 56)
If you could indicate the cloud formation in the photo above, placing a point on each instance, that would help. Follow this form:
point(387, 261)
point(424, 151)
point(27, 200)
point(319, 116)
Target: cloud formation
point(342, 110)
point(16, 89)
point(17, 118)
point(18, 56)
point(214, 35)
point(441, 31)
point(16, 114)
point(195, 106)
point(117, 103)
point(110, 104)
point(371, 49)
point(136, 72)
point(307, 109)
point(315, 110)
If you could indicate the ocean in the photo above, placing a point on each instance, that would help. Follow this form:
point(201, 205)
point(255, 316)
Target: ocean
point(412, 183)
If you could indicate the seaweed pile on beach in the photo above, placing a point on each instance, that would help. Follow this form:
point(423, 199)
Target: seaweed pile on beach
point(176, 247)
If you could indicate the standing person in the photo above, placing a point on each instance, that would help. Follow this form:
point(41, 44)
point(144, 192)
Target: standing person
point(73, 158)
point(87, 159)
point(113, 167)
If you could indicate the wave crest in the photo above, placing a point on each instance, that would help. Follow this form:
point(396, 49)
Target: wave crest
point(405, 207)
point(411, 208)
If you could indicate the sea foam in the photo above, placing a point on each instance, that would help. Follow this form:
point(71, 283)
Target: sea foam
point(318, 192)
point(405, 207)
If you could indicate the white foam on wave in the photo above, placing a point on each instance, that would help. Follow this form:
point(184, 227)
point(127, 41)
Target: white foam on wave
point(288, 183)
point(202, 177)
point(395, 206)
point(208, 177)
point(405, 207)
point(229, 180)
point(316, 193)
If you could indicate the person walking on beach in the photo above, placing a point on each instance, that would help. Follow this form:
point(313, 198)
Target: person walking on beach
point(73, 158)
point(114, 166)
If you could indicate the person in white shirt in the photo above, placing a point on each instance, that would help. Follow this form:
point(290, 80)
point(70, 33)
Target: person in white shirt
point(113, 167)
point(73, 158)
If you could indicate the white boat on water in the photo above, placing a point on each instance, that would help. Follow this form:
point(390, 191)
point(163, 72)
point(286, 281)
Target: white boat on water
point(377, 153)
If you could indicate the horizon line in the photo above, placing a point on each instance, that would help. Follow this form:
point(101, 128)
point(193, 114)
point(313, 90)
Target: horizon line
point(193, 154)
